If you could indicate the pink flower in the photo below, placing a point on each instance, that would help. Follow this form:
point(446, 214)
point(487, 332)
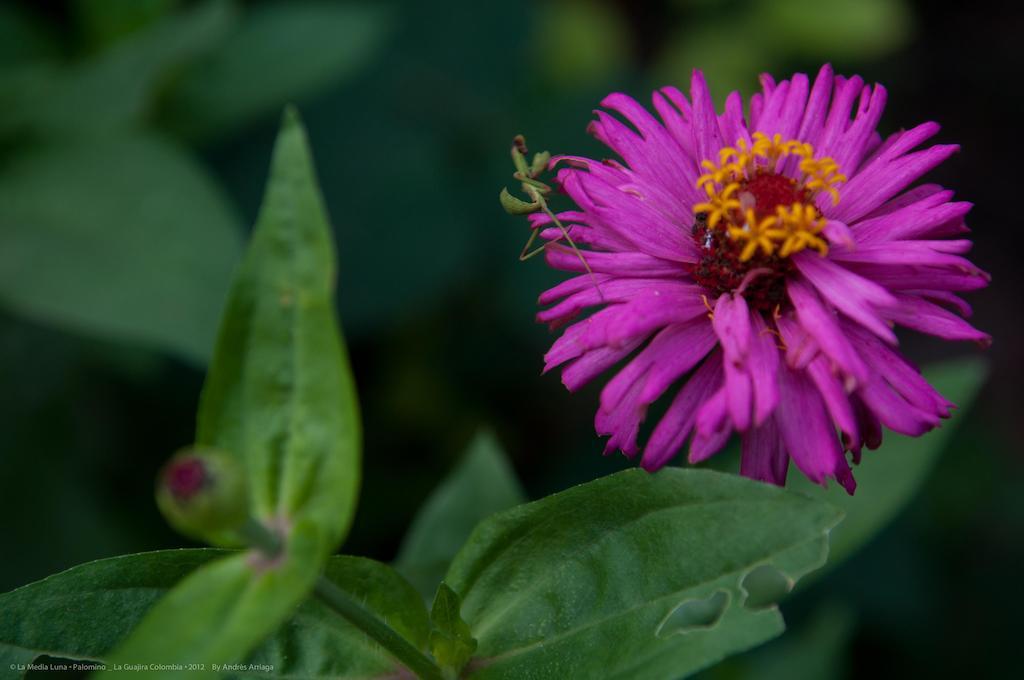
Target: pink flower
point(760, 262)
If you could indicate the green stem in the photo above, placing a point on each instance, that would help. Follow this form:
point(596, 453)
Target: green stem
point(340, 601)
point(258, 536)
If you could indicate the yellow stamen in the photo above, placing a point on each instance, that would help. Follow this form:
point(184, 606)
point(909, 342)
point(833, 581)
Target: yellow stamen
point(792, 228)
point(801, 225)
point(719, 203)
point(757, 234)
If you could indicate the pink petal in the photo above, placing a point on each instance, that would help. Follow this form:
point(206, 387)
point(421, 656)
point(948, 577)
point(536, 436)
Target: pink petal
point(618, 290)
point(905, 379)
point(821, 324)
point(762, 367)
point(801, 348)
point(840, 235)
point(622, 423)
point(926, 317)
point(706, 134)
point(616, 264)
point(713, 428)
point(762, 454)
point(817, 105)
point(594, 363)
point(673, 351)
point(671, 432)
point(731, 322)
point(888, 174)
point(807, 431)
point(853, 295)
point(837, 401)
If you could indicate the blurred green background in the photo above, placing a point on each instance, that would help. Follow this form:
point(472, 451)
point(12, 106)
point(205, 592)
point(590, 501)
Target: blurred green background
point(134, 141)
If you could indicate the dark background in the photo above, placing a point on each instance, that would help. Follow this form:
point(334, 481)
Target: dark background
point(411, 145)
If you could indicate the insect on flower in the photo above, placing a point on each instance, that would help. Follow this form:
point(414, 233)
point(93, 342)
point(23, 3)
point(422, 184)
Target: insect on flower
point(759, 260)
point(537, 190)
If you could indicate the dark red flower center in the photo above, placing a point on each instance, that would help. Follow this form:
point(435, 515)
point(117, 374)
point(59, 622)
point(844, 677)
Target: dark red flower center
point(720, 269)
point(769, 190)
point(755, 216)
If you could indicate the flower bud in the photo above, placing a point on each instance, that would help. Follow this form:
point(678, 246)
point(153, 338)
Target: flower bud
point(201, 492)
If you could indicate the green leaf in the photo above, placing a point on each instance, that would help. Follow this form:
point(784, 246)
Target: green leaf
point(279, 392)
point(634, 575)
point(117, 87)
point(888, 478)
point(317, 643)
point(279, 52)
point(86, 611)
point(83, 612)
point(221, 611)
point(126, 239)
point(482, 484)
point(451, 641)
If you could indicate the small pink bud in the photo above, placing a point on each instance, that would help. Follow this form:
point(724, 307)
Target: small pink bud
point(185, 477)
point(202, 492)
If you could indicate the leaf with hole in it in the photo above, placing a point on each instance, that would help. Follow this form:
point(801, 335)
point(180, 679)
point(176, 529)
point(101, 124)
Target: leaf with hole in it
point(279, 393)
point(483, 483)
point(888, 478)
point(127, 239)
point(83, 613)
point(635, 575)
point(278, 52)
point(451, 641)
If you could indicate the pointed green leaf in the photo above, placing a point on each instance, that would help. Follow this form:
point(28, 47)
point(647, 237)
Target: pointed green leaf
point(220, 612)
point(888, 478)
point(127, 239)
point(482, 484)
point(451, 642)
point(279, 392)
point(83, 613)
point(635, 575)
